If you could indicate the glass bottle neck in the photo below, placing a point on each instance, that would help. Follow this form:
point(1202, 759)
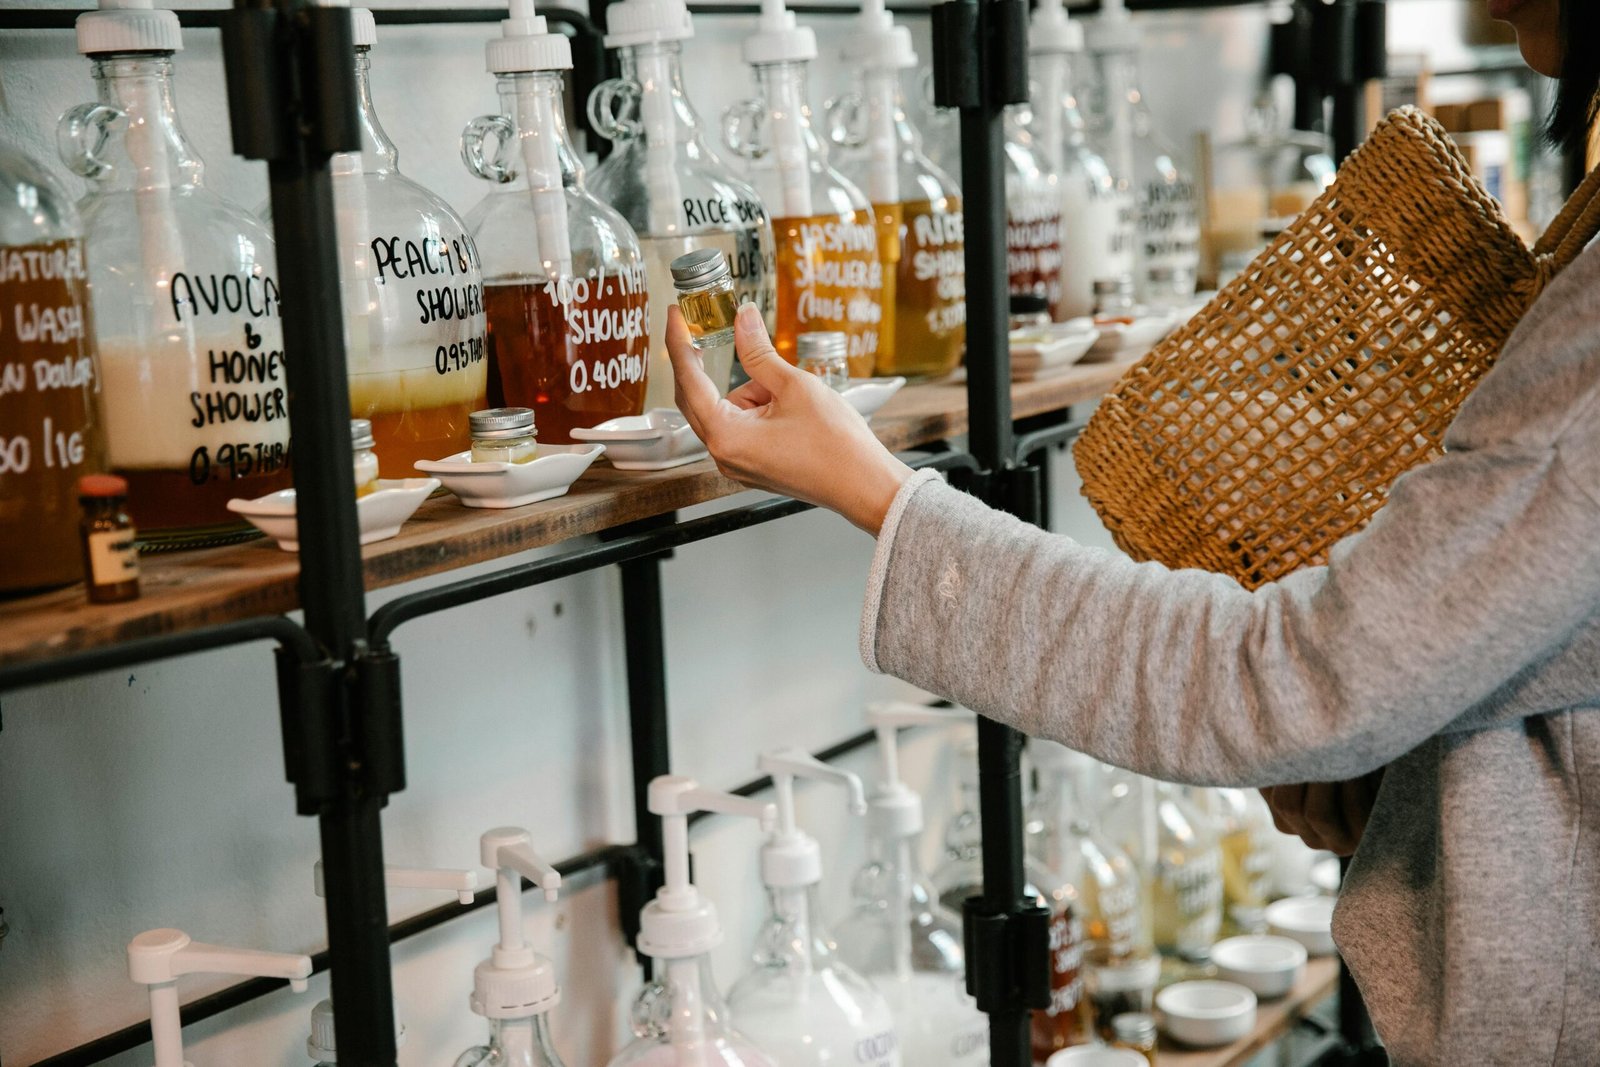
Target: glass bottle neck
point(153, 146)
point(793, 937)
point(664, 108)
point(696, 1010)
point(522, 1042)
point(378, 153)
point(785, 93)
point(534, 103)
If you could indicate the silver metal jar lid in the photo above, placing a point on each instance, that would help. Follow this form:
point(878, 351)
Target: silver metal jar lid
point(1133, 1026)
point(495, 423)
point(360, 434)
point(822, 345)
point(698, 268)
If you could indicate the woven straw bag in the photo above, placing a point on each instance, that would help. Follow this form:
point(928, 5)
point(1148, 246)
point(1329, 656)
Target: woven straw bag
point(1273, 423)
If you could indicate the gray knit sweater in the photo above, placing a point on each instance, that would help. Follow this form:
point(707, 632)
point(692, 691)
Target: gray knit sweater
point(1456, 640)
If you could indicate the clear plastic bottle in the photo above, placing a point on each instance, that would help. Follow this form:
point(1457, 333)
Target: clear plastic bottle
point(1098, 221)
point(898, 934)
point(50, 430)
point(564, 278)
point(679, 1019)
point(799, 1001)
point(1066, 1022)
point(1033, 216)
point(186, 298)
point(413, 296)
point(667, 182)
point(921, 241)
point(1168, 208)
point(1249, 850)
point(829, 274)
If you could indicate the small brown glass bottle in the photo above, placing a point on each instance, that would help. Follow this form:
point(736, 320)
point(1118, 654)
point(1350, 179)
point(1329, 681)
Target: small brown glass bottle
point(110, 560)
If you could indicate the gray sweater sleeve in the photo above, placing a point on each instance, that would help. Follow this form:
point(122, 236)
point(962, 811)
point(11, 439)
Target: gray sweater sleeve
point(1481, 564)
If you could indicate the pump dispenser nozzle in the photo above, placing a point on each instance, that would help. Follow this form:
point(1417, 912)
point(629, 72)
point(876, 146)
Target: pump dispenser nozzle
point(158, 958)
point(679, 922)
point(791, 858)
point(515, 981)
point(895, 810)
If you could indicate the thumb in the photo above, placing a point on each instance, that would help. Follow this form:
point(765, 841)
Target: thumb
point(756, 355)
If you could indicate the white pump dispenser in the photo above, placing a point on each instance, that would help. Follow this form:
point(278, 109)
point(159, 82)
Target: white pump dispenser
point(158, 958)
point(679, 1018)
point(514, 988)
point(321, 1045)
point(898, 934)
point(800, 1002)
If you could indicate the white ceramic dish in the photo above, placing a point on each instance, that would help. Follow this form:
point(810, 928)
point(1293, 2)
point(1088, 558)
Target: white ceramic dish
point(659, 439)
point(1096, 1056)
point(1119, 341)
point(1207, 1014)
point(867, 395)
point(1038, 353)
point(1266, 965)
point(1308, 920)
point(380, 514)
point(510, 485)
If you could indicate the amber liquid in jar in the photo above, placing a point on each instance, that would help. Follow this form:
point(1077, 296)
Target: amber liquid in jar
point(709, 314)
point(574, 352)
point(422, 416)
point(830, 279)
point(922, 246)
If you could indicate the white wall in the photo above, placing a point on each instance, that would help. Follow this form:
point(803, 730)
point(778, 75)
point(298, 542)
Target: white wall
point(155, 797)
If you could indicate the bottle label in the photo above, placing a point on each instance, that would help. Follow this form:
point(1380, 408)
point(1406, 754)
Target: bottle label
point(1119, 909)
point(830, 279)
point(1033, 244)
point(418, 361)
point(1169, 226)
point(113, 557)
point(48, 390)
point(573, 348)
point(879, 1050)
point(1194, 892)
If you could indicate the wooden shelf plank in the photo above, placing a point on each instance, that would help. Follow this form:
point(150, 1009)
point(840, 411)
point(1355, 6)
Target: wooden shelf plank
point(1274, 1018)
point(189, 590)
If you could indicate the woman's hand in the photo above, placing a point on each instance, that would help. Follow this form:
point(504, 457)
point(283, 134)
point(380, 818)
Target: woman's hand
point(785, 430)
point(1325, 815)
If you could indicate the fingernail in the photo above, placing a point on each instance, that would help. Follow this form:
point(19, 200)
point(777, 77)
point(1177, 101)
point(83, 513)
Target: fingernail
point(749, 316)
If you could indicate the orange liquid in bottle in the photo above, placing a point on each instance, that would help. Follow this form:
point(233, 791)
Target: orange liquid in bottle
point(830, 279)
point(574, 350)
point(921, 244)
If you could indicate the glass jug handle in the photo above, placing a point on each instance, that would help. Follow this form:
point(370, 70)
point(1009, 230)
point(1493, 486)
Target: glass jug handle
point(81, 138)
point(611, 100)
point(498, 168)
point(741, 128)
point(844, 120)
point(652, 1010)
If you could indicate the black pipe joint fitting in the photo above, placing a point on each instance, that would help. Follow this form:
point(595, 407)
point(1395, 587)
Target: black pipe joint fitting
point(1008, 956)
point(327, 753)
point(279, 106)
point(980, 53)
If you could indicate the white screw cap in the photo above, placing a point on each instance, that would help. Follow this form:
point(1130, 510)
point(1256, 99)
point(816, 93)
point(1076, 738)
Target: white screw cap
point(778, 38)
point(128, 26)
point(526, 44)
point(1051, 32)
point(635, 22)
point(876, 43)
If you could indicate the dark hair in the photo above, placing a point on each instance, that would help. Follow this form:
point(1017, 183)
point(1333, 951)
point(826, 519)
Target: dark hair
point(1578, 95)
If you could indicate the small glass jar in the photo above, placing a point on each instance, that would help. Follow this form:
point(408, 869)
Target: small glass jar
point(1137, 1031)
point(1113, 299)
point(366, 460)
point(110, 557)
point(1029, 311)
point(827, 355)
point(705, 295)
point(504, 435)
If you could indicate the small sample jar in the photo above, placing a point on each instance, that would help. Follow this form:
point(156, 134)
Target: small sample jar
point(827, 355)
point(1113, 299)
point(705, 296)
point(110, 558)
point(503, 435)
point(1029, 311)
point(1136, 1031)
point(366, 459)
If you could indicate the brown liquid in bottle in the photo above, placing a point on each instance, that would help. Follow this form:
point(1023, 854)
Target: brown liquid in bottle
point(830, 279)
point(921, 244)
point(576, 362)
point(400, 438)
point(183, 507)
point(50, 431)
point(1066, 1022)
point(1033, 247)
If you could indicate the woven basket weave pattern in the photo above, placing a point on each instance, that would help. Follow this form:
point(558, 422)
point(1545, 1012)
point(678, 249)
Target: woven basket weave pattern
point(1273, 424)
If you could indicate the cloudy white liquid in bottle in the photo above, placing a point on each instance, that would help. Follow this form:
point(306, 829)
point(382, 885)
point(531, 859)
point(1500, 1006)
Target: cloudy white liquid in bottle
point(195, 389)
point(667, 182)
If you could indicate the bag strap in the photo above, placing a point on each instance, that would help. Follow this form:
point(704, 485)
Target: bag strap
point(1574, 227)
